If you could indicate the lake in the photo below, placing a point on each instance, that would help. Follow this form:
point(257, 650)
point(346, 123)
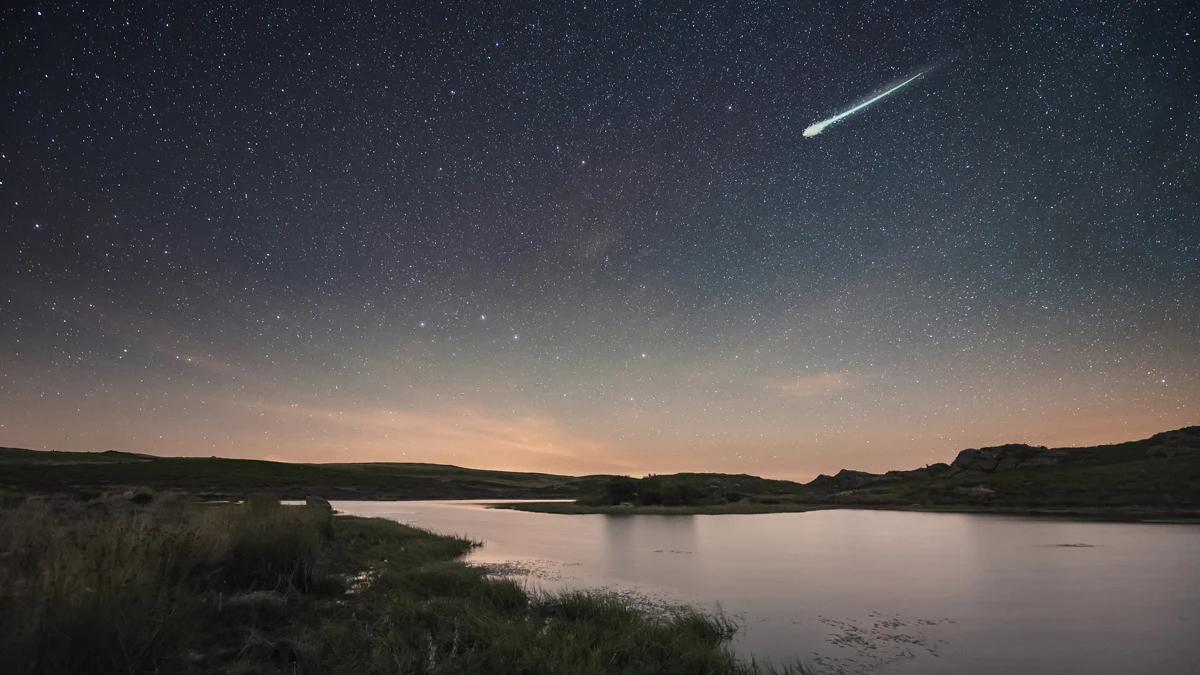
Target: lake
point(884, 592)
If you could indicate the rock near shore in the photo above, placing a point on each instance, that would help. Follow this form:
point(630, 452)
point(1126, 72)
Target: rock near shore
point(317, 502)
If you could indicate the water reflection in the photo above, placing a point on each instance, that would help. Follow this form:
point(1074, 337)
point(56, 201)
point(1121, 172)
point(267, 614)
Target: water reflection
point(618, 531)
point(887, 592)
point(641, 547)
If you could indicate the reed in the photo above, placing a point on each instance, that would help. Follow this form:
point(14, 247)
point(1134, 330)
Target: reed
point(111, 585)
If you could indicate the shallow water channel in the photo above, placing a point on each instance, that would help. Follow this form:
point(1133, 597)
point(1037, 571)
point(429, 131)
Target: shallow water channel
point(874, 591)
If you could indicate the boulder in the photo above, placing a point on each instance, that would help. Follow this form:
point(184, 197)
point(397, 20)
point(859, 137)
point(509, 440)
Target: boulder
point(317, 502)
point(271, 602)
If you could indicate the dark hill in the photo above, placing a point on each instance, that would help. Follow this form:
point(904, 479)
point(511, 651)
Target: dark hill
point(1158, 474)
point(216, 477)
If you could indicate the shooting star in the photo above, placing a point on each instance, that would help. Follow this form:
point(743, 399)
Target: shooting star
point(820, 126)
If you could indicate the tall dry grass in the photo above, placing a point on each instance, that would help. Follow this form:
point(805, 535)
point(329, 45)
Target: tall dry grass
point(112, 586)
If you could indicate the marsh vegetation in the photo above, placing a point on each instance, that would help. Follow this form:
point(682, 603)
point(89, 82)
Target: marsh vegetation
point(112, 585)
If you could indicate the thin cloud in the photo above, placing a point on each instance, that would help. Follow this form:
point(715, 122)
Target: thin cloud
point(810, 386)
point(530, 441)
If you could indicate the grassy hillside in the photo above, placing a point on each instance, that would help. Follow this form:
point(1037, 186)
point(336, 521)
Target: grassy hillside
point(1151, 477)
point(66, 472)
point(1158, 477)
point(1145, 474)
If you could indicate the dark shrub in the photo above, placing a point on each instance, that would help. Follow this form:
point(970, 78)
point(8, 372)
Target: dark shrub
point(272, 547)
point(262, 500)
point(620, 489)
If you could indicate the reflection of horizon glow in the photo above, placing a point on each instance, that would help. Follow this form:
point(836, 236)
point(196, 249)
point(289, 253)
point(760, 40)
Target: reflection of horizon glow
point(817, 128)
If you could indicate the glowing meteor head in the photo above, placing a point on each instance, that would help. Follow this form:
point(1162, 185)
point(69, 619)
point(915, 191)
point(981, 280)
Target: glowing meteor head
point(815, 129)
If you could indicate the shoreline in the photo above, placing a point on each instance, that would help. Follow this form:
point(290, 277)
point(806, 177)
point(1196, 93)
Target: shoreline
point(1131, 515)
point(1148, 480)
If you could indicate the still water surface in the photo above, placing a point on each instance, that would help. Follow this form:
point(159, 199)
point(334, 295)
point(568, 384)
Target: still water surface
point(893, 593)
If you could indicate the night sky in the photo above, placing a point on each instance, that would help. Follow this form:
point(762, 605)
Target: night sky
point(592, 237)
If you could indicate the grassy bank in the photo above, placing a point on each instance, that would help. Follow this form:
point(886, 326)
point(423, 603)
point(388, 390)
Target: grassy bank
point(170, 586)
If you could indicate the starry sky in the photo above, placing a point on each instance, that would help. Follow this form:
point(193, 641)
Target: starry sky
point(591, 237)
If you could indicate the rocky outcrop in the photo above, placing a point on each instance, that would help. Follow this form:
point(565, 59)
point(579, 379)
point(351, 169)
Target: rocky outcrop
point(1004, 458)
point(939, 470)
point(847, 479)
point(862, 487)
point(1172, 443)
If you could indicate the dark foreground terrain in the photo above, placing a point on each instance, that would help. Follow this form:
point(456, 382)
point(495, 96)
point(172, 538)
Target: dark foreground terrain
point(170, 586)
point(1158, 477)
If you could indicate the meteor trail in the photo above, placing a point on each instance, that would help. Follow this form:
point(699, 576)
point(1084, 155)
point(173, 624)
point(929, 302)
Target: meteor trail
point(820, 126)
